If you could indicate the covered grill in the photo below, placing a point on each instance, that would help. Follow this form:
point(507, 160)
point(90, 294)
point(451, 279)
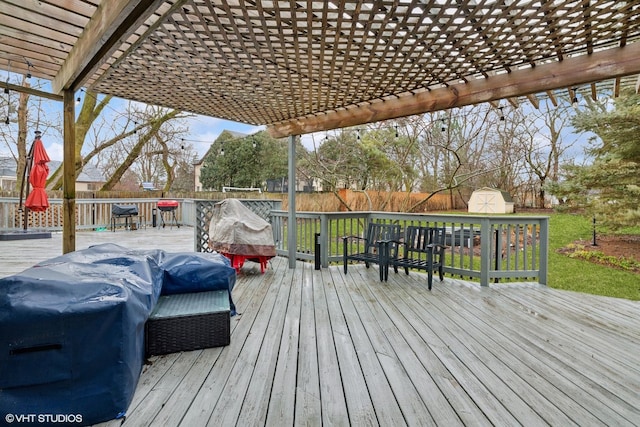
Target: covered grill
point(240, 234)
point(126, 212)
point(169, 208)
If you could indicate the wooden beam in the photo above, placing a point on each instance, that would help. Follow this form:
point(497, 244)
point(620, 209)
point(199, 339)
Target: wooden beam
point(513, 101)
point(110, 25)
point(594, 92)
point(31, 91)
point(575, 71)
point(69, 174)
point(616, 87)
point(533, 99)
point(552, 97)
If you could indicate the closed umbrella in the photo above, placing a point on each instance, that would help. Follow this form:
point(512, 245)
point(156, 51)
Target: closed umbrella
point(37, 199)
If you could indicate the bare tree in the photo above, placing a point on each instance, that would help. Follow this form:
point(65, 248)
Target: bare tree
point(544, 144)
point(452, 146)
point(155, 118)
point(89, 112)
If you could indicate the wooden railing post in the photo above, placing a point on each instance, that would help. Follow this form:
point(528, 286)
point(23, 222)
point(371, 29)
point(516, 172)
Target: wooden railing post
point(544, 251)
point(324, 241)
point(485, 251)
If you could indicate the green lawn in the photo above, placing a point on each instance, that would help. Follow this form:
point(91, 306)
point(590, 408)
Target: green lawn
point(580, 275)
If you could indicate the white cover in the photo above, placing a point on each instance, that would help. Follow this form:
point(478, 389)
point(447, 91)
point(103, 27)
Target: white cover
point(237, 230)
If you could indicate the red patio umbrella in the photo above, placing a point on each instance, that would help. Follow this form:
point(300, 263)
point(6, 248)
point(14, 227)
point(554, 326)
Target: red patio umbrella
point(37, 199)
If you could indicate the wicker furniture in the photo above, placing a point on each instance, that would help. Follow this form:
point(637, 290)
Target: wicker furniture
point(190, 321)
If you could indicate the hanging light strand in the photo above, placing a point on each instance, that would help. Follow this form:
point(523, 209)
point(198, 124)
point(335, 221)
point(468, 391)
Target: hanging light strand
point(28, 75)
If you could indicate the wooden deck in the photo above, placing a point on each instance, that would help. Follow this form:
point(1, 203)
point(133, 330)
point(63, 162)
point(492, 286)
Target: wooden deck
point(323, 348)
point(18, 255)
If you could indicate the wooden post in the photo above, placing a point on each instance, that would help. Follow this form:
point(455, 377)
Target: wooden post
point(291, 221)
point(69, 174)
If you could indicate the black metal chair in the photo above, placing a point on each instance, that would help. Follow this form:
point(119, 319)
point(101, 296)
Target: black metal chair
point(421, 249)
point(373, 248)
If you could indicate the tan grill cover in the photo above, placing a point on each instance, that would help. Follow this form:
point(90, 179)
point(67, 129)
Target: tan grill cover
point(237, 230)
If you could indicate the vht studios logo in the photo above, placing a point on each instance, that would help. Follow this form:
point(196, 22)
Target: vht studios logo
point(43, 418)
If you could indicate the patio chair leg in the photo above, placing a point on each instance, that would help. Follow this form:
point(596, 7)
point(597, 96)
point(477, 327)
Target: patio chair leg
point(344, 254)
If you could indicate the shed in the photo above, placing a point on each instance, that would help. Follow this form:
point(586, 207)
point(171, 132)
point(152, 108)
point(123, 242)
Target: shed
point(490, 200)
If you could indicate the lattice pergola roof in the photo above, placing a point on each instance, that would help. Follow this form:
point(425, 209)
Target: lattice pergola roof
point(302, 66)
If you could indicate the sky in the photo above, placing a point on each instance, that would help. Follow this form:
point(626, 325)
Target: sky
point(202, 130)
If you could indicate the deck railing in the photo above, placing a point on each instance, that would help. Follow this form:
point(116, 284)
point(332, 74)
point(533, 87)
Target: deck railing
point(90, 213)
point(486, 248)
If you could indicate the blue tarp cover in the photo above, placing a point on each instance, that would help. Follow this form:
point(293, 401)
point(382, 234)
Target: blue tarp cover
point(186, 272)
point(72, 329)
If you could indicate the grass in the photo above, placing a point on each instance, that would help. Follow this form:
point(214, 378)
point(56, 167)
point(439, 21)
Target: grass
point(581, 275)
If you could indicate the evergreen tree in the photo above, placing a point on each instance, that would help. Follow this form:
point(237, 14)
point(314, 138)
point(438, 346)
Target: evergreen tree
point(611, 185)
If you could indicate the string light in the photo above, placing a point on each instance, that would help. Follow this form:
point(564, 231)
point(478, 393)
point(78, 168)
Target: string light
point(396, 126)
point(501, 114)
point(574, 100)
point(358, 134)
point(6, 90)
point(28, 70)
point(443, 128)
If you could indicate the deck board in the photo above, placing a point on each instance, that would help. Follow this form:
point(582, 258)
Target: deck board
point(370, 345)
point(360, 408)
point(324, 348)
point(332, 403)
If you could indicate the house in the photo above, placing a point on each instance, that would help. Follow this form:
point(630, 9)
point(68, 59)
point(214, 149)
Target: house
point(90, 179)
point(7, 174)
point(490, 200)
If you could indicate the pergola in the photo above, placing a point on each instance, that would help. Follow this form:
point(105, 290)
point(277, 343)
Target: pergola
point(303, 66)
